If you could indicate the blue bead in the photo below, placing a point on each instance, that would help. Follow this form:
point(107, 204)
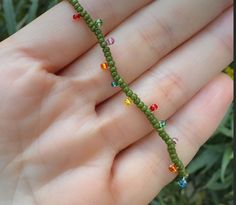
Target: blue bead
point(114, 84)
point(182, 183)
point(162, 123)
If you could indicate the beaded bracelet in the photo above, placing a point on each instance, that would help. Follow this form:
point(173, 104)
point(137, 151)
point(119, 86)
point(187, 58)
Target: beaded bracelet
point(132, 97)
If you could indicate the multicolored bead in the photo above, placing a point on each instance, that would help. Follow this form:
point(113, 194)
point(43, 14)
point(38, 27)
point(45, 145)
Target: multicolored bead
point(128, 101)
point(104, 66)
point(114, 84)
point(76, 16)
point(182, 183)
point(175, 140)
point(153, 107)
point(162, 123)
point(110, 41)
point(173, 168)
point(99, 22)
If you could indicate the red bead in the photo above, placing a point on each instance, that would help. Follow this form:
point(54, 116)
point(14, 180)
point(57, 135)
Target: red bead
point(76, 16)
point(153, 107)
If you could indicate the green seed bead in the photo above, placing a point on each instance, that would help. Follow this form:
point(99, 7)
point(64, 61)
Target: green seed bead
point(148, 112)
point(107, 53)
point(98, 31)
point(154, 121)
point(134, 96)
point(137, 101)
point(83, 13)
point(100, 36)
point(103, 44)
point(90, 24)
point(76, 6)
point(150, 117)
point(123, 85)
point(107, 49)
point(112, 69)
point(93, 28)
point(140, 105)
point(169, 141)
point(114, 74)
point(126, 89)
point(144, 108)
point(111, 63)
point(87, 16)
point(171, 146)
point(129, 93)
point(74, 2)
point(100, 40)
point(116, 78)
point(79, 9)
point(120, 81)
point(156, 126)
point(109, 58)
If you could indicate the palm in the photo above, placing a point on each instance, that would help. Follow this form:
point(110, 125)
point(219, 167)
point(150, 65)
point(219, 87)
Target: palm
point(67, 139)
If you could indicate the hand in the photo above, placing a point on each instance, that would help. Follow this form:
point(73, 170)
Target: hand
point(66, 137)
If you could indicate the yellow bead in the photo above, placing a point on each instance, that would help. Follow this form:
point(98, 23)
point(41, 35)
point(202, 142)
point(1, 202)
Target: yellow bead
point(128, 101)
point(104, 66)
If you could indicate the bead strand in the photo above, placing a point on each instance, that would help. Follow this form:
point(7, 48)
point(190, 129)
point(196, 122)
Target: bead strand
point(119, 81)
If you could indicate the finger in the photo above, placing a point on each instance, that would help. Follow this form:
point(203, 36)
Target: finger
point(145, 164)
point(142, 40)
point(170, 84)
point(55, 39)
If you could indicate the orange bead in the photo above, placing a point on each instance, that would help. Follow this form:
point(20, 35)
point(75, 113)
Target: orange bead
point(173, 168)
point(104, 66)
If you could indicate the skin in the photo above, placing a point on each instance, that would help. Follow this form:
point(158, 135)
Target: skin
point(66, 136)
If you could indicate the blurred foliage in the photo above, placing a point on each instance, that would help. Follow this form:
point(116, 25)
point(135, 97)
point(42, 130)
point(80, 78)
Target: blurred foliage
point(211, 171)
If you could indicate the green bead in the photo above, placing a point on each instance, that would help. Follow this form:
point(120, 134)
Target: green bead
point(134, 96)
point(107, 53)
point(137, 101)
point(171, 146)
point(74, 2)
point(111, 63)
point(154, 121)
point(148, 112)
point(89, 21)
point(156, 126)
point(87, 16)
point(116, 78)
point(107, 49)
point(112, 69)
point(169, 141)
point(99, 22)
point(98, 31)
point(79, 9)
point(103, 44)
point(100, 36)
point(140, 105)
point(100, 40)
point(90, 24)
point(123, 85)
point(93, 28)
point(129, 93)
point(76, 6)
point(120, 81)
point(126, 89)
point(150, 118)
point(83, 13)
point(114, 73)
point(144, 108)
point(109, 58)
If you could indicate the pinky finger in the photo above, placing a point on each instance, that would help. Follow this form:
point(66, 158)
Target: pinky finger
point(143, 168)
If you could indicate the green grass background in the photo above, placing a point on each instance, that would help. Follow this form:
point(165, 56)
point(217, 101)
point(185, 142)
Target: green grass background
point(211, 171)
